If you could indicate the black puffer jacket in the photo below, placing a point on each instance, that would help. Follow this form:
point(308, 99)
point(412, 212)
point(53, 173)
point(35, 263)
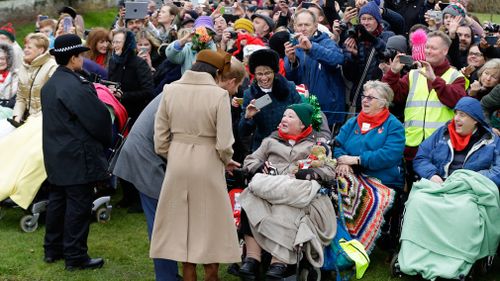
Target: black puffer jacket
point(135, 78)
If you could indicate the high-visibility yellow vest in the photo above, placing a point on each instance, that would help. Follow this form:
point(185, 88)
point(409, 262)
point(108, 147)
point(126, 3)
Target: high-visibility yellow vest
point(424, 113)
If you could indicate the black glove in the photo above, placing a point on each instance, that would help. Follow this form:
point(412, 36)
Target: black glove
point(364, 35)
point(307, 174)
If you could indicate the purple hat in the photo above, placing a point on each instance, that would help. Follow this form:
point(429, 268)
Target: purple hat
point(371, 8)
point(205, 21)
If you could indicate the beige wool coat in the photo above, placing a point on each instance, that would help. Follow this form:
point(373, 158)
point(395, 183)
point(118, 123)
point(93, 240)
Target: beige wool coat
point(194, 221)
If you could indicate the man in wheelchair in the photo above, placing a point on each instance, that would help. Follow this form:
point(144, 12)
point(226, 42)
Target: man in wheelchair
point(283, 211)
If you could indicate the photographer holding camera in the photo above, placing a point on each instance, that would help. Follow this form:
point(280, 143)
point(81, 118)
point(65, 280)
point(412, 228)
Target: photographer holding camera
point(396, 45)
point(365, 38)
point(313, 59)
point(230, 37)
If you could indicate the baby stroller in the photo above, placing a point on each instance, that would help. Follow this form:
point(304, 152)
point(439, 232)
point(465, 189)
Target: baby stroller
point(460, 238)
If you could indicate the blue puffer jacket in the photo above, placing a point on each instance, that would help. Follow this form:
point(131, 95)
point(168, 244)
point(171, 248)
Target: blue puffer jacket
point(319, 69)
point(436, 153)
point(380, 149)
point(267, 119)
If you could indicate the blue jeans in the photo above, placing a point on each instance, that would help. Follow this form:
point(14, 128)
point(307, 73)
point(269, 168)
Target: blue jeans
point(165, 270)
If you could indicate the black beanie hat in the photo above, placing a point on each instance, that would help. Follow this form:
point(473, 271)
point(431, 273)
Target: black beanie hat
point(264, 57)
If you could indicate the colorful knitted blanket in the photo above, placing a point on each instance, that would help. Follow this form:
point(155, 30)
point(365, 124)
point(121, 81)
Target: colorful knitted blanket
point(365, 201)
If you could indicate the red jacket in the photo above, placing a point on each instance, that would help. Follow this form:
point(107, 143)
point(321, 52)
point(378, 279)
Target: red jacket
point(447, 94)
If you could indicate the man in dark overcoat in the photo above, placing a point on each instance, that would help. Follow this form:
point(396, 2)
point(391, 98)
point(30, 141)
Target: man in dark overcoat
point(76, 131)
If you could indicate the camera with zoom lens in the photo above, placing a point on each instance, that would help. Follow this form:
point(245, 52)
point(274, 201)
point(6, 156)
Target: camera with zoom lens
point(351, 32)
point(234, 34)
point(491, 28)
point(343, 26)
point(387, 55)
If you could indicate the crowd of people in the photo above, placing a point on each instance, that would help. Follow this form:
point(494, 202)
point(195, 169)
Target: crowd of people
point(398, 91)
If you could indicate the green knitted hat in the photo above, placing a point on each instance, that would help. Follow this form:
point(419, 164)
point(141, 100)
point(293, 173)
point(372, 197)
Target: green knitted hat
point(304, 111)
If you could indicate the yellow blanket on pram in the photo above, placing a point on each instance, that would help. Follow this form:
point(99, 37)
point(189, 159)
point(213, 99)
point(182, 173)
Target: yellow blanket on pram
point(23, 170)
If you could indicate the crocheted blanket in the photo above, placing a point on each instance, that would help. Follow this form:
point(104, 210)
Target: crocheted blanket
point(365, 201)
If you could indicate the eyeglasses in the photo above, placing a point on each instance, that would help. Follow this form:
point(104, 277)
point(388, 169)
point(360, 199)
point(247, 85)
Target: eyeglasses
point(478, 54)
point(369, 98)
point(116, 42)
point(260, 74)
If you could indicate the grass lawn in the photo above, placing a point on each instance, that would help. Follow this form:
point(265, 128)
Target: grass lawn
point(123, 244)
point(488, 17)
point(102, 18)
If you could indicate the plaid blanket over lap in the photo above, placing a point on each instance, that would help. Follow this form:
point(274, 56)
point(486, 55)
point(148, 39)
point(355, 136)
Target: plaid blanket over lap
point(365, 201)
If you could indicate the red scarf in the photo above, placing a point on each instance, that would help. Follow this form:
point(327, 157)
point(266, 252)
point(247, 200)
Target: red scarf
point(372, 121)
point(457, 141)
point(295, 138)
point(3, 76)
point(100, 59)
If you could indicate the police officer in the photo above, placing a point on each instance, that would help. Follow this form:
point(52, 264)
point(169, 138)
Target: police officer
point(76, 130)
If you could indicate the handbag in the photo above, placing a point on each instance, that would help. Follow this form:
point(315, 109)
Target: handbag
point(344, 253)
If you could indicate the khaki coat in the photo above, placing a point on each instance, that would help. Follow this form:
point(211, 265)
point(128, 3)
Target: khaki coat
point(32, 77)
point(194, 221)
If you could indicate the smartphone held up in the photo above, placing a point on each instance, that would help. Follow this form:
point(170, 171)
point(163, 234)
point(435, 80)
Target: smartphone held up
point(67, 24)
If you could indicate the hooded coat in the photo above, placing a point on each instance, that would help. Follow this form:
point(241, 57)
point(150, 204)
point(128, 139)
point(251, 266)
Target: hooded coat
point(435, 154)
point(8, 89)
point(134, 75)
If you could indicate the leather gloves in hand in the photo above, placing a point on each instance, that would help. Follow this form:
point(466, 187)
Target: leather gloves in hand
point(307, 174)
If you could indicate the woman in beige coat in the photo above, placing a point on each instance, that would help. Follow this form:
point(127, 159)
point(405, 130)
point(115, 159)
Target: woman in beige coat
point(193, 131)
point(37, 68)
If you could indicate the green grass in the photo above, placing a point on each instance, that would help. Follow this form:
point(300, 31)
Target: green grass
point(102, 18)
point(124, 245)
point(488, 17)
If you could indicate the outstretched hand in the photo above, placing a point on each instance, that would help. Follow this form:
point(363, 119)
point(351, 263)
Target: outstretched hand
point(231, 166)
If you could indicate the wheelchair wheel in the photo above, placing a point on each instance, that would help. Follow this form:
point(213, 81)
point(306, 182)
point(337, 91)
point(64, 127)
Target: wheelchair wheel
point(395, 271)
point(103, 215)
point(28, 223)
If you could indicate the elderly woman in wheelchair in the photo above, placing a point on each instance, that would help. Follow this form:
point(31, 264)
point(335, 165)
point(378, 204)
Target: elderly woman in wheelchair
point(456, 202)
point(282, 208)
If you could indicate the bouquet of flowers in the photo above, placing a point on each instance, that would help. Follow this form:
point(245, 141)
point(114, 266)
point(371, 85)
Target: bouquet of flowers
point(201, 38)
